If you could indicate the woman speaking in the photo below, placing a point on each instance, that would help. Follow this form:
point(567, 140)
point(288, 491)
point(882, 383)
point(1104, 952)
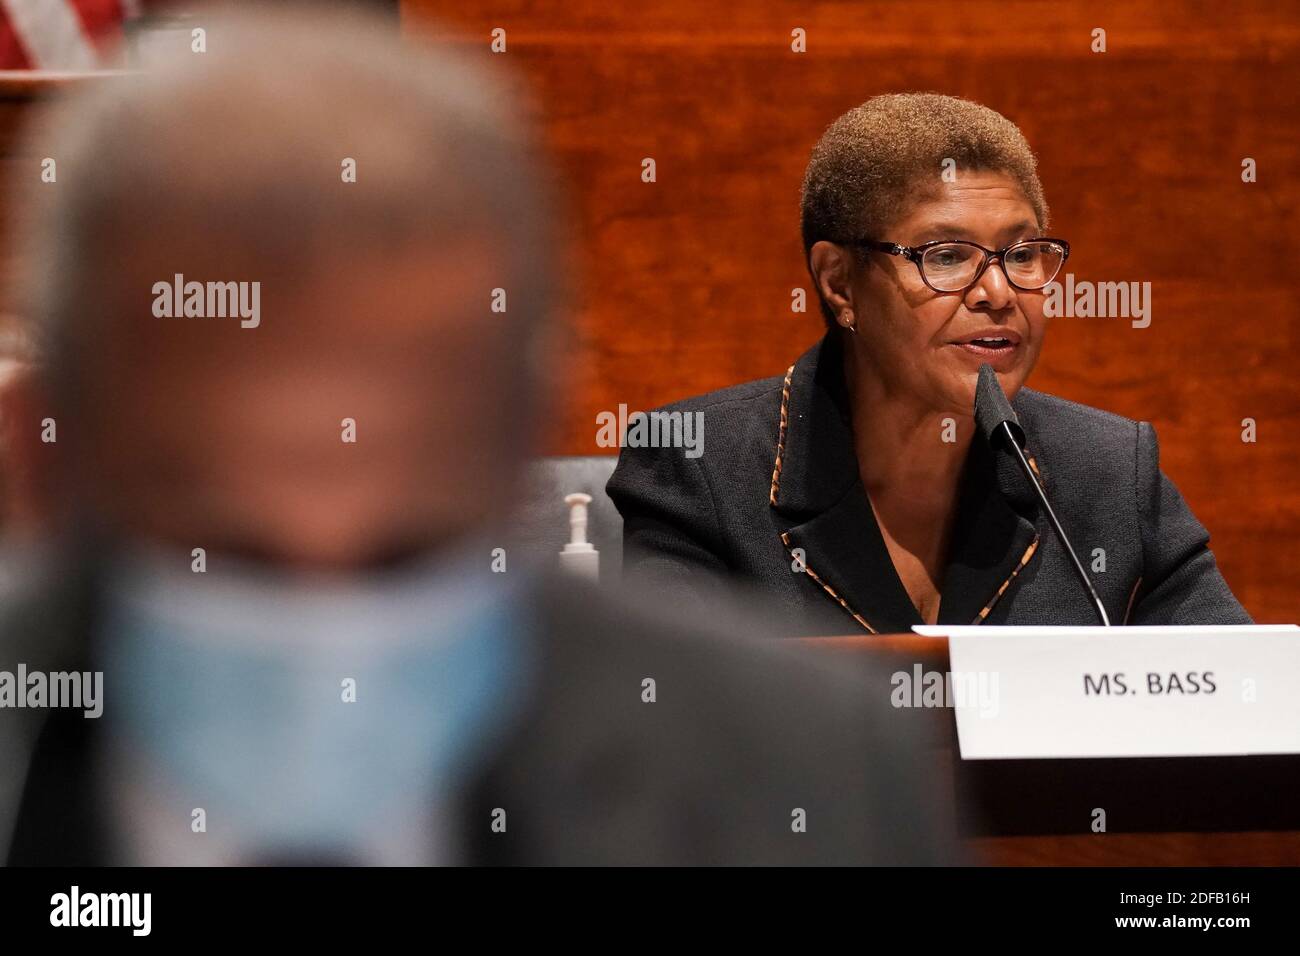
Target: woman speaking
point(856, 488)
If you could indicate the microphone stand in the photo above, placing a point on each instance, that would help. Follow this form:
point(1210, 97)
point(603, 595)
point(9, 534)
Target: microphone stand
point(1051, 516)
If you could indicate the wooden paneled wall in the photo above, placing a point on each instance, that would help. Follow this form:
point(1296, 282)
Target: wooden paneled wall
point(686, 283)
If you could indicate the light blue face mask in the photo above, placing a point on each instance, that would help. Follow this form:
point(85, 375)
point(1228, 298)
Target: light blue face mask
point(300, 717)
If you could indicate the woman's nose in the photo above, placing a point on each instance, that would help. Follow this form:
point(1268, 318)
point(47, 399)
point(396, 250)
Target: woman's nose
point(991, 290)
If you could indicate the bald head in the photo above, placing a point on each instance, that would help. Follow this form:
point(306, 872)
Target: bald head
point(265, 308)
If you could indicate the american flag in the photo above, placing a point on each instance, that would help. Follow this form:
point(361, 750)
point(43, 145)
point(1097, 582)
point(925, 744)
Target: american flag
point(63, 34)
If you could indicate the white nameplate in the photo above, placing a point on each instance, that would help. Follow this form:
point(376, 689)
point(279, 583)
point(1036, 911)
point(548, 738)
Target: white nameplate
point(1028, 692)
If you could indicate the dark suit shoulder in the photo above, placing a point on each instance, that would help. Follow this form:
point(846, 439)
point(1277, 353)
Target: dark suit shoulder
point(739, 424)
point(756, 395)
point(1072, 439)
point(1052, 411)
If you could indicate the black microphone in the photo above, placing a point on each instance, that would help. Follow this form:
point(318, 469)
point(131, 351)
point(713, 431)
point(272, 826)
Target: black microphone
point(995, 417)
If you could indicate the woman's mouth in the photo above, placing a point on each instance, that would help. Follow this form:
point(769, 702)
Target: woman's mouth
point(989, 346)
point(999, 347)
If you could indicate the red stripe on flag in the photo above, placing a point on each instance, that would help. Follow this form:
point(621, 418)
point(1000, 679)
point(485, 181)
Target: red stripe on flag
point(12, 54)
point(101, 21)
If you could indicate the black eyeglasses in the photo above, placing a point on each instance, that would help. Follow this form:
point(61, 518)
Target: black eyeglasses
point(956, 265)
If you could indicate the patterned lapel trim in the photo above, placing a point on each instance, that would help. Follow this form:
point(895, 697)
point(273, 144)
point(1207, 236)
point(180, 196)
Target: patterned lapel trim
point(780, 436)
point(1029, 553)
point(785, 539)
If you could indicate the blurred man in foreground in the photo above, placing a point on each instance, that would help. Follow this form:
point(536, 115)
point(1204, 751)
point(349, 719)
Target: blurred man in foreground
point(289, 429)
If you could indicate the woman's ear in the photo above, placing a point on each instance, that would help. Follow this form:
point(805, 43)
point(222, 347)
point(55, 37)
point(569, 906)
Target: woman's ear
point(831, 266)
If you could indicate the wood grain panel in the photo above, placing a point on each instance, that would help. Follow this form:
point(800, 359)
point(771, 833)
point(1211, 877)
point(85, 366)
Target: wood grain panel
point(1140, 849)
point(686, 282)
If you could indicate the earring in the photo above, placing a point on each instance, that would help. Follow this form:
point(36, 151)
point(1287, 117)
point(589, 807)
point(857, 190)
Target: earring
point(850, 325)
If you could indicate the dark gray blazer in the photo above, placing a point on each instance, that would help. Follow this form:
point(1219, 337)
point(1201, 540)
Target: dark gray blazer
point(779, 473)
point(743, 732)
